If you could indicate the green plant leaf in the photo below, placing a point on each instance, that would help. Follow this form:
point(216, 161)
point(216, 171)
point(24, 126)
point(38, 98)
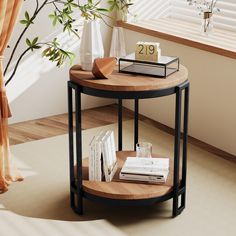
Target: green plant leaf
point(54, 22)
point(27, 17)
point(102, 9)
point(35, 40)
point(24, 22)
point(51, 16)
point(28, 42)
point(36, 47)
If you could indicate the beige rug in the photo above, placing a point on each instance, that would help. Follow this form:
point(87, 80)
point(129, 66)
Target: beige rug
point(40, 204)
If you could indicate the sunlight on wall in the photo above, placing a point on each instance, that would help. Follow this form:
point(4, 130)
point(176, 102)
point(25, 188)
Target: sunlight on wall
point(30, 70)
point(153, 9)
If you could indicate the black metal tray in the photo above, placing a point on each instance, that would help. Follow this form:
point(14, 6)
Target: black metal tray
point(161, 69)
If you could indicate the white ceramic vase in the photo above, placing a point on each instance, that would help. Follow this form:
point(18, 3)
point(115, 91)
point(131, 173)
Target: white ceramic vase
point(117, 43)
point(207, 23)
point(91, 46)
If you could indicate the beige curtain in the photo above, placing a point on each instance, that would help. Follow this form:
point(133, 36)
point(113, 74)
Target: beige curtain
point(8, 13)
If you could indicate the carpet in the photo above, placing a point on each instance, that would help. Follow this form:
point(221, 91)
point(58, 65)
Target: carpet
point(40, 204)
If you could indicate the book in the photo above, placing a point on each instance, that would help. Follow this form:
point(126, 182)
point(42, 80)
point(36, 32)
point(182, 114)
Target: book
point(105, 155)
point(91, 159)
point(98, 157)
point(144, 178)
point(102, 157)
point(142, 164)
point(109, 155)
point(112, 153)
point(113, 147)
point(145, 169)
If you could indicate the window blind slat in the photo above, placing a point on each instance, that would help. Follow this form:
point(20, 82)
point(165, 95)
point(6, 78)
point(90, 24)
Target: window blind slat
point(180, 10)
point(225, 19)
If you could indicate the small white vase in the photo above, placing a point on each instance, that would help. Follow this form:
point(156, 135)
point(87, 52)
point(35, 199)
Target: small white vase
point(117, 43)
point(207, 23)
point(91, 46)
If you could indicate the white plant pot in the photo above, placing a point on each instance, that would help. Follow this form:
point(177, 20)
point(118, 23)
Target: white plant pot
point(91, 46)
point(117, 43)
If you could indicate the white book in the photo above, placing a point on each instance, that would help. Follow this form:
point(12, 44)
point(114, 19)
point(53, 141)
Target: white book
point(102, 157)
point(108, 146)
point(146, 172)
point(105, 156)
point(98, 156)
point(91, 159)
point(113, 171)
point(110, 142)
point(109, 156)
point(144, 178)
point(152, 163)
point(113, 147)
point(145, 169)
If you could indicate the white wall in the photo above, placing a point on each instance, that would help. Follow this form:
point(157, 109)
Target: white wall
point(212, 93)
point(143, 9)
point(39, 88)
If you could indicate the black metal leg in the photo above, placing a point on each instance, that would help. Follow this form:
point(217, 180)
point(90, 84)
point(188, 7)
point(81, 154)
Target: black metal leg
point(136, 111)
point(185, 141)
point(180, 190)
point(177, 150)
point(79, 189)
point(71, 145)
point(120, 125)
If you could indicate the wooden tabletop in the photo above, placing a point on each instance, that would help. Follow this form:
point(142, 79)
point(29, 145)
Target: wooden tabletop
point(120, 189)
point(127, 82)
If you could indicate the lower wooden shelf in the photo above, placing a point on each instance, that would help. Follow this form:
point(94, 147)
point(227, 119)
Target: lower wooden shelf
point(120, 190)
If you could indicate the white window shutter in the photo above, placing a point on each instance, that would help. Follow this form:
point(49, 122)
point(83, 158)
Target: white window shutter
point(225, 19)
point(179, 9)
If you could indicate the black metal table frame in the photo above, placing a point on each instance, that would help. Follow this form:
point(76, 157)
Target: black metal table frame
point(76, 186)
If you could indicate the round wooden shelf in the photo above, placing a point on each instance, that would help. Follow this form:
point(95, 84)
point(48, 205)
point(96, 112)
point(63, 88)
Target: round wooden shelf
point(122, 190)
point(127, 82)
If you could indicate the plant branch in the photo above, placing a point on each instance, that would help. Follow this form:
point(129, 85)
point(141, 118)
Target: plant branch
point(37, 4)
point(56, 7)
point(37, 10)
point(17, 64)
point(63, 15)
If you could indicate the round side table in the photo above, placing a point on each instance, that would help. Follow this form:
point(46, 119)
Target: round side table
point(125, 86)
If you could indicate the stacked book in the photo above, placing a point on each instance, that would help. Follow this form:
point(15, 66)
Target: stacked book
point(102, 157)
point(154, 170)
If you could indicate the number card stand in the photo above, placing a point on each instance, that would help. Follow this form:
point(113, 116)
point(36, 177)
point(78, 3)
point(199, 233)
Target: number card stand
point(146, 51)
point(164, 67)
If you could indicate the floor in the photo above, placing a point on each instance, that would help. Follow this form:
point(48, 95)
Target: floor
point(36, 204)
point(57, 125)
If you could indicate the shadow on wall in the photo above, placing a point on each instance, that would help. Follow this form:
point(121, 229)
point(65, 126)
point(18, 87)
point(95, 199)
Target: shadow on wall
point(34, 66)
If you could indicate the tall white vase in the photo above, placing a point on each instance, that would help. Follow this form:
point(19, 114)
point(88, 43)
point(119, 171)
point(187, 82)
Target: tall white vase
point(117, 43)
point(91, 46)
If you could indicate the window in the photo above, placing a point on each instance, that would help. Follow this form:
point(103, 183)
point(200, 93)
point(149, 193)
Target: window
point(180, 10)
point(175, 20)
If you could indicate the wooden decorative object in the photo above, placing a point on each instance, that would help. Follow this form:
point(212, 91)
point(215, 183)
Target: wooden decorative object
point(103, 67)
